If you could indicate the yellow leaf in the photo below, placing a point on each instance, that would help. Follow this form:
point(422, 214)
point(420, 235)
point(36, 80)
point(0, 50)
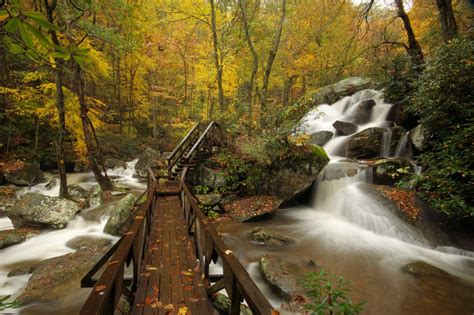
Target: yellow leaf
point(169, 307)
point(183, 310)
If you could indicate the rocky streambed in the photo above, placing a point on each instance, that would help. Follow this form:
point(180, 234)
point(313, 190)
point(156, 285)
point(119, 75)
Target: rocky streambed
point(47, 243)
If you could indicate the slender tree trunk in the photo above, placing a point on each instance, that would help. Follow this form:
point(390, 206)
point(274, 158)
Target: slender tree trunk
point(447, 19)
point(119, 95)
point(60, 105)
point(253, 74)
point(286, 95)
point(271, 57)
point(89, 133)
point(217, 59)
point(414, 48)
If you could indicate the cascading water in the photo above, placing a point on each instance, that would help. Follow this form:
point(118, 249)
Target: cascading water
point(51, 243)
point(348, 230)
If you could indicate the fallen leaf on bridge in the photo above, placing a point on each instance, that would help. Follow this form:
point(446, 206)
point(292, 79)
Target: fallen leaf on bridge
point(183, 310)
point(100, 288)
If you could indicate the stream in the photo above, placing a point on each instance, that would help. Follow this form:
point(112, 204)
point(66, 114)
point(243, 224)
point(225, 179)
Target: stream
point(347, 231)
point(52, 243)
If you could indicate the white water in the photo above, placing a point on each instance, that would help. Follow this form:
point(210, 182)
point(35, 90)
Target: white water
point(52, 243)
point(349, 230)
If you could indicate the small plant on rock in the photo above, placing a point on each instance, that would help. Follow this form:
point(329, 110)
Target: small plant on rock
point(5, 305)
point(329, 294)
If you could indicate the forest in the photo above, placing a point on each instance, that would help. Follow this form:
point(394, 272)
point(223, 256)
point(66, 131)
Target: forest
point(87, 85)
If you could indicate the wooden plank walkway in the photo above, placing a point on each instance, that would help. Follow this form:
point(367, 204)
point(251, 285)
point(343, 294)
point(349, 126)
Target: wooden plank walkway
point(170, 278)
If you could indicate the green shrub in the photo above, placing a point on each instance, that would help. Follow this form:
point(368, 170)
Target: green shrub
point(5, 305)
point(328, 294)
point(443, 99)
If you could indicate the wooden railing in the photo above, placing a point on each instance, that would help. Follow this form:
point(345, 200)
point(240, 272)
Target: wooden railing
point(112, 284)
point(209, 248)
point(182, 148)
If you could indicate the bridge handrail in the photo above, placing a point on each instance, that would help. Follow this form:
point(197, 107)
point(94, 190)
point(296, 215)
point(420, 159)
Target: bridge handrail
point(108, 289)
point(181, 147)
point(206, 133)
point(209, 247)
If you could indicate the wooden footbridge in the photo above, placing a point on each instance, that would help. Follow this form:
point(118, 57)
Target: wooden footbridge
point(161, 265)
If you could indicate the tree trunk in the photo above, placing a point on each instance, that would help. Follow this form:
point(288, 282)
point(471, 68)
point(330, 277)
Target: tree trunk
point(449, 27)
point(217, 59)
point(119, 95)
point(92, 153)
point(414, 49)
point(271, 58)
point(253, 75)
point(60, 105)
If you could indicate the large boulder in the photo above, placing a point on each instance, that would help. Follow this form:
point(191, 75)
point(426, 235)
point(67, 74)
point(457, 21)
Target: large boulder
point(344, 128)
point(321, 137)
point(209, 200)
point(283, 277)
point(149, 158)
point(421, 269)
point(418, 137)
point(223, 304)
point(119, 215)
point(115, 163)
point(365, 144)
point(247, 208)
point(332, 93)
point(22, 173)
point(36, 210)
point(205, 175)
point(17, 236)
point(84, 242)
point(363, 112)
point(7, 197)
point(270, 238)
point(57, 277)
point(289, 178)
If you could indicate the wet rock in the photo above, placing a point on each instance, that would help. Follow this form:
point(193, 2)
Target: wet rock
point(96, 197)
point(78, 193)
point(363, 112)
point(22, 173)
point(290, 178)
point(345, 168)
point(421, 268)
point(332, 93)
point(23, 268)
point(17, 236)
point(149, 157)
point(418, 137)
point(389, 171)
point(7, 197)
point(397, 114)
point(209, 200)
point(248, 208)
point(56, 277)
point(119, 215)
point(115, 163)
point(321, 137)
point(83, 242)
point(270, 238)
point(365, 144)
point(222, 303)
point(283, 277)
point(37, 210)
point(344, 128)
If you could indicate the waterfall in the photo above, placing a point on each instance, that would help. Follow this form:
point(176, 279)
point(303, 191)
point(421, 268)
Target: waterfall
point(402, 146)
point(386, 142)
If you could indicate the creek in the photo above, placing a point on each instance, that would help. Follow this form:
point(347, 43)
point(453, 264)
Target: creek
point(52, 243)
point(347, 231)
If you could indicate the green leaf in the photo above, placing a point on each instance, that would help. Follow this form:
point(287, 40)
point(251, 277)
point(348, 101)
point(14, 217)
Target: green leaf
point(4, 15)
point(26, 35)
point(82, 51)
point(61, 55)
point(15, 48)
point(41, 20)
point(39, 36)
point(12, 25)
point(80, 60)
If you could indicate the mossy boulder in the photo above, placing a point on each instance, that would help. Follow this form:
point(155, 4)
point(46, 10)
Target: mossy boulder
point(121, 213)
point(96, 197)
point(247, 208)
point(78, 193)
point(7, 197)
point(36, 210)
point(389, 171)
point(115, 163)
point(222, 303)
point(268, 237)
point(149, 158)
